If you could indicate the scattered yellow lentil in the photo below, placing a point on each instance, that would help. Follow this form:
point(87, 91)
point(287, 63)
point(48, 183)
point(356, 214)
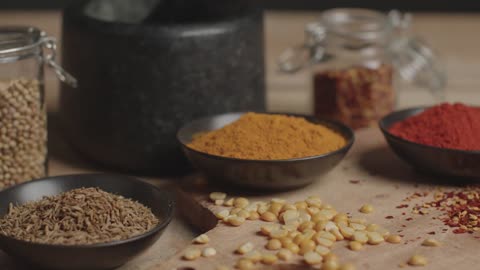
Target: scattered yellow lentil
point(430, 242)
point(330, 265)
point(217, 196)
point(254, 256)
point(418, 260)
point(366, 209)
point(394, 239)
point(191, 254)
point(274, 244)
point(269, 259)
point(209, 252)
point(312, 258)
point(245, 248)
point(244, 264)
point(355, 246)
point(309, 228)
point(284, 254)
point(268, 216)
point(201, 239)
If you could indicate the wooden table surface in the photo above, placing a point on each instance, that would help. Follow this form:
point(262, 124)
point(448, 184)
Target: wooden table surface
point(452, 35)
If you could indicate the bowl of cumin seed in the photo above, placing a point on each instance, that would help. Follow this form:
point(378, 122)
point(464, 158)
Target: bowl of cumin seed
point(84, 221)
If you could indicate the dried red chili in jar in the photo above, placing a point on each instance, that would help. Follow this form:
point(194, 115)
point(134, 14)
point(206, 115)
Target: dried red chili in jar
point(357, 96)
point(355, 56)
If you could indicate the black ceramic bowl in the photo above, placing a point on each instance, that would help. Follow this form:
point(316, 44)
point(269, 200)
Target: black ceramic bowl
point(96, 256)
point(261, 174)
point(430, 159)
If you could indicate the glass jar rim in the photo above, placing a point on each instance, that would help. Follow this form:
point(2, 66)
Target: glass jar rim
point(19, 40)
point(358, 23)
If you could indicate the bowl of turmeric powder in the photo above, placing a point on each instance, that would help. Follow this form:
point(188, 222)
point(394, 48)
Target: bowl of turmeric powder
point(265, 150)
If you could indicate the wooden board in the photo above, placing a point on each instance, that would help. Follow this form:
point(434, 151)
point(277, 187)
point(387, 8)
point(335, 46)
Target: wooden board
point(384, 182)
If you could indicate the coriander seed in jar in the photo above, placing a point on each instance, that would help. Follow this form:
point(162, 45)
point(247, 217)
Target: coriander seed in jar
point(359, 59)
point(23, 116)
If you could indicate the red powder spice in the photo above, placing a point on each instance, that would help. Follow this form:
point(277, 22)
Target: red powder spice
point(454, 126)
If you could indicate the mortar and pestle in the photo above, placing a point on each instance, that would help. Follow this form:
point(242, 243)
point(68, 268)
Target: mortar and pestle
point(147, 67)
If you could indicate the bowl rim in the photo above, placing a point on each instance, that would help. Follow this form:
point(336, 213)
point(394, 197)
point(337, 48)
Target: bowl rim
point(160, 226)
point(338, 127)
point(419, 109)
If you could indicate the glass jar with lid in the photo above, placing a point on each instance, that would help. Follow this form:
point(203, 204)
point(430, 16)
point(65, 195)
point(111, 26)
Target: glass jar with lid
point(23, 117)
point(358, 59)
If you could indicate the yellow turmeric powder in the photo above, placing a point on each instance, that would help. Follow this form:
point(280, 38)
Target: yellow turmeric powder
point(268, 137)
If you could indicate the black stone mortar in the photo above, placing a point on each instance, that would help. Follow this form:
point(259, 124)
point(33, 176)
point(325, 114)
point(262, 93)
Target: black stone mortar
point(147, 67)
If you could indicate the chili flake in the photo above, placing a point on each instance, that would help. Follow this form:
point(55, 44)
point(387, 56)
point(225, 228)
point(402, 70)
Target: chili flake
point(461, 208)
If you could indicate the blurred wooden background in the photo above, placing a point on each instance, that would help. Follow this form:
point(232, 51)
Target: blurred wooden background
point(453, 35)
point(412, 5)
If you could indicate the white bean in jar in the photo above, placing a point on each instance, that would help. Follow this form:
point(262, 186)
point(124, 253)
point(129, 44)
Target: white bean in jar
point(23, 132)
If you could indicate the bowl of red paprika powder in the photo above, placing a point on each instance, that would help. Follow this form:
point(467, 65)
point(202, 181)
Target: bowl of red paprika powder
point(442, 140)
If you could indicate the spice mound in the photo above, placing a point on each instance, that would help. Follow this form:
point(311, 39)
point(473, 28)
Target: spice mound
point(454, 126)
point(269, 137)
point(78, 217)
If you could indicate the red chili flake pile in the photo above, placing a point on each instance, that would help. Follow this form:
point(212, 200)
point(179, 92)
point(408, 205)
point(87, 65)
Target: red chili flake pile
point(461, 208)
